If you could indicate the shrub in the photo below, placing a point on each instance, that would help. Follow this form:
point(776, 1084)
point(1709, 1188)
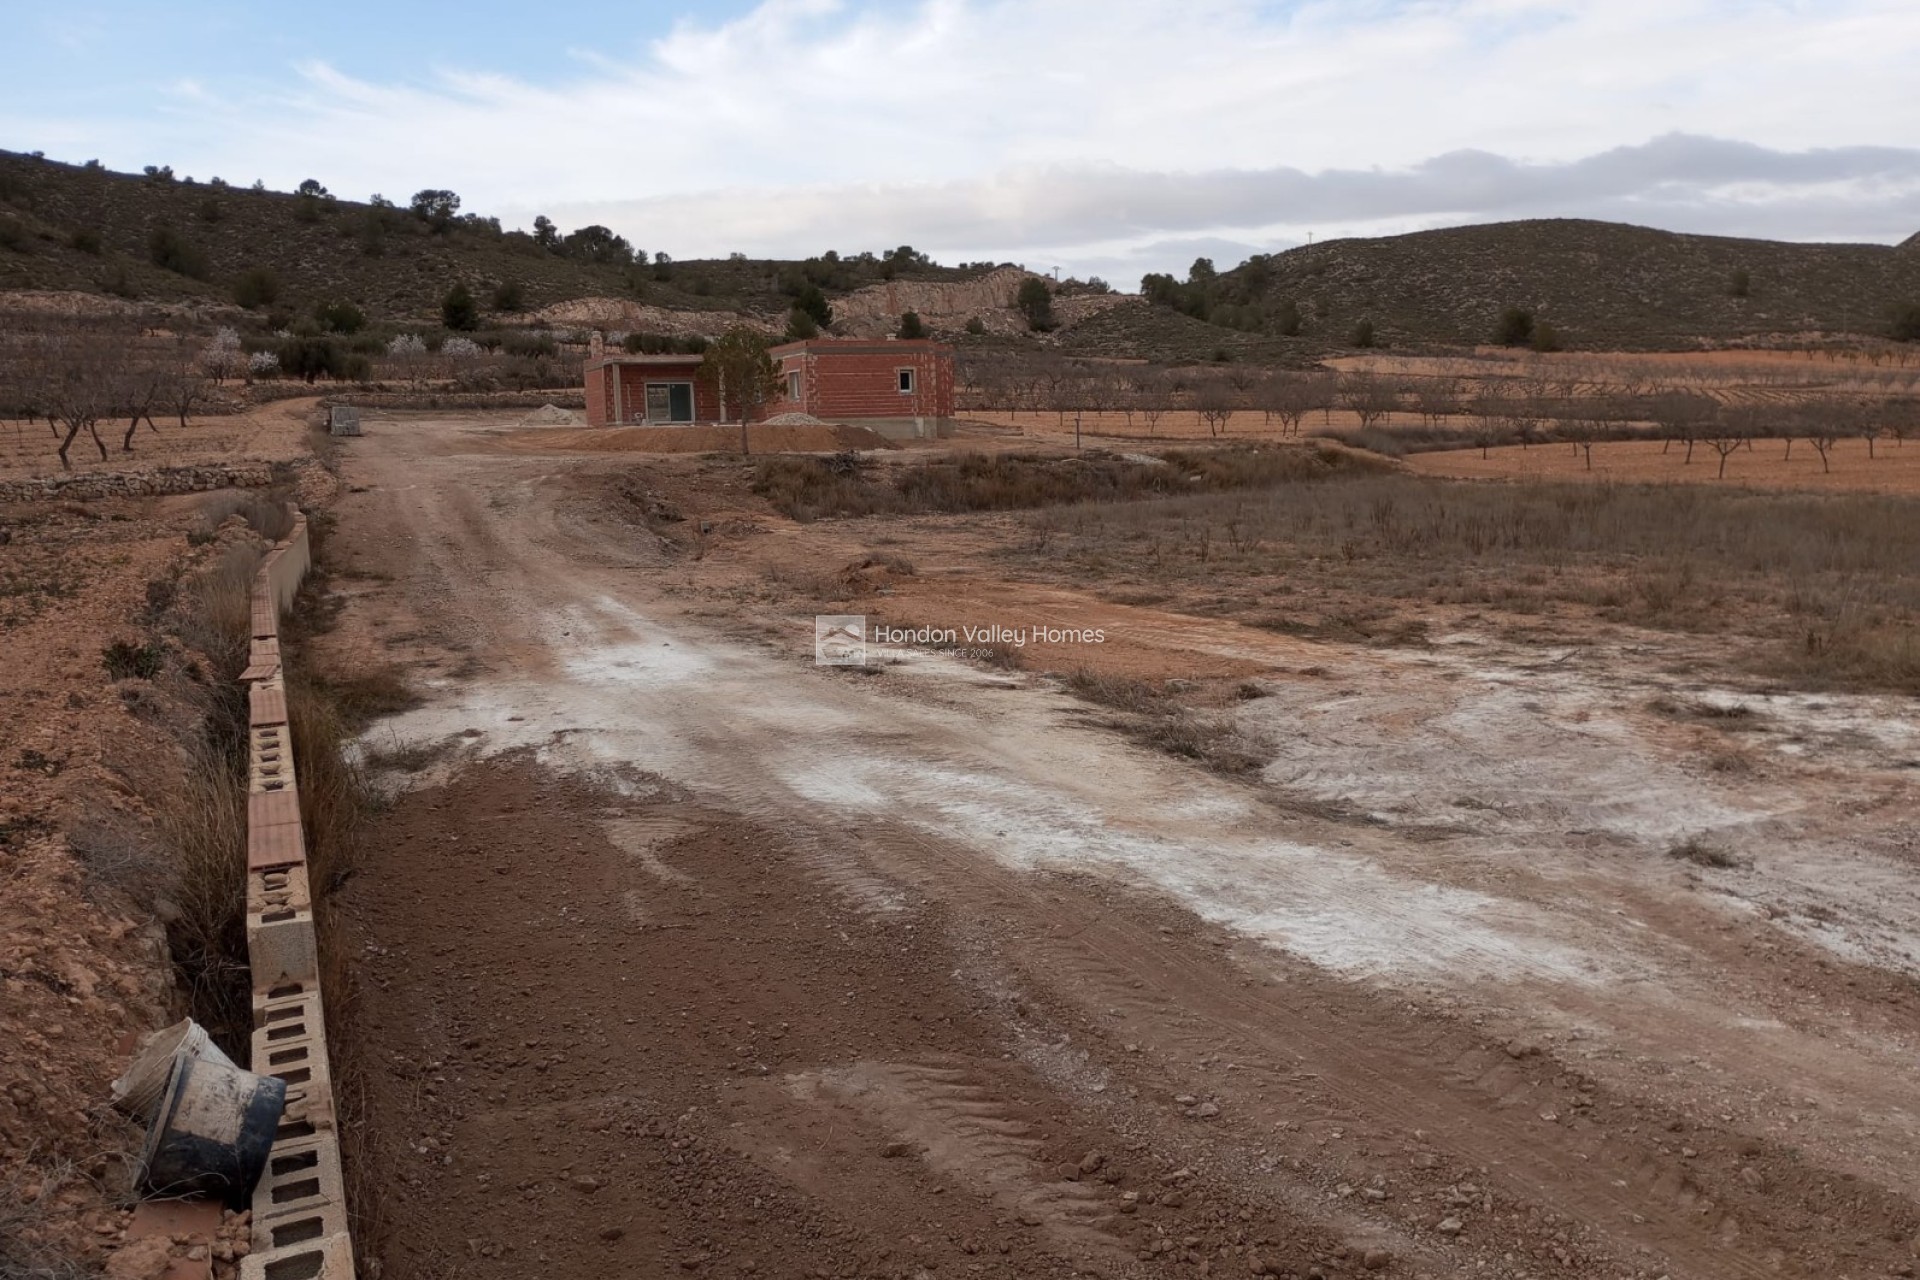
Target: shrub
point(340, 316)
point(126, 661)
point(85, 240)
point(171, 251)
point(13, 235)
point(910, 326)
point(1740, 283)
point(1545, 337)
point(508, 296)
point(1363, 335)
point(1906, 322)
point(1035, 302)
point(530, 344)
point(800, 326)
point(256, 287)
point(311, 358)
point(976, 326)
point(119, 283)
point(1514, 328)
point(458, 309)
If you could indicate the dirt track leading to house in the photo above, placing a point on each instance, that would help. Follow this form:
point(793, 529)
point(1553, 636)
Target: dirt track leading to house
point(690, 958)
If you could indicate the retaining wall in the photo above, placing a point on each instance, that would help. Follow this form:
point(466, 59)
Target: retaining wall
point(300, 1207)
point(136, 484)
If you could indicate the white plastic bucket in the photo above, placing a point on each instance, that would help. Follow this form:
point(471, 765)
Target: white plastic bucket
point(138, 1091)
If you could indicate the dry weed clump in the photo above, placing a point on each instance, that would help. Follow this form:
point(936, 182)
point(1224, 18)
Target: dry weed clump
point(1702, 853)
point(1152, 715)
point(33, 1237)
point(267, 514)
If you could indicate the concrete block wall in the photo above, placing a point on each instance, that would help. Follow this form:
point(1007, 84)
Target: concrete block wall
point(300, 1227)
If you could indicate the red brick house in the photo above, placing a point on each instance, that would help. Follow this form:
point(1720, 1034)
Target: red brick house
point(626, 390)
point(900, 387)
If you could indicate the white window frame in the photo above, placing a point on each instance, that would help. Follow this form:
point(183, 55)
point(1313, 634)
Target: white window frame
point(907, 379)
point(795, 392)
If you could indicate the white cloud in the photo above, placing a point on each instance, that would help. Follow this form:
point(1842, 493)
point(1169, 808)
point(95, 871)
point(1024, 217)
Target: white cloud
point(1092, 130)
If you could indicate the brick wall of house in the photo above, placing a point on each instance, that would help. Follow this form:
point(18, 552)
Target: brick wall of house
point(849, 380)
point(632, 402)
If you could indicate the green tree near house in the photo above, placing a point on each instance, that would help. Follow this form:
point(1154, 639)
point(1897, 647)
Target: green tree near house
point(910, 326)
point(741, 375)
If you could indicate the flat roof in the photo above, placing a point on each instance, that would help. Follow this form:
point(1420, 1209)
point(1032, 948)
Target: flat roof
point(624, 358)
point(862, 346)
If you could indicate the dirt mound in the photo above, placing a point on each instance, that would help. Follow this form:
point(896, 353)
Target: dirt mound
point(551, 415)
point(794, 420)
point(764, 436)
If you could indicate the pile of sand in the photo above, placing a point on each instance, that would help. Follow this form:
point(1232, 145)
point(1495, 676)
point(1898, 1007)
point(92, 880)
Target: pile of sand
point(764, 437)
point(551, 415)
point(792, 420)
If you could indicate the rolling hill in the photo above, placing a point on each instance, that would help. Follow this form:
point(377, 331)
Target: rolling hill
point(161, 239)
point(1600, 284)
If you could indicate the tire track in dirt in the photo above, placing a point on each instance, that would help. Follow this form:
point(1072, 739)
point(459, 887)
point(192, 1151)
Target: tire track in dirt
point(1365, 1063)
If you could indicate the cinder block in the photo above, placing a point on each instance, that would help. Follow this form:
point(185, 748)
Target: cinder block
point(275, 890)
point(298, 1228)
point(329, 1258)
point(294, 1016)
point(290, 1041)
point(266, 617)
point(276, 846)
point(266, 703)
point(302, 1181)
point(283, 948)
point(270, 773)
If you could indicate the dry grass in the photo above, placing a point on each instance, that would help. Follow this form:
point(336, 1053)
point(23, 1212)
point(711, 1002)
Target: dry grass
point(266, 514)
point(32, 1232)
point(408, 757)
point(363, 696)
point(814, 488)
point(1831, 582)
point(202, 824)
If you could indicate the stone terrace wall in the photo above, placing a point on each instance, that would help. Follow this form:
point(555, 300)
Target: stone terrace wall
point(138, 484)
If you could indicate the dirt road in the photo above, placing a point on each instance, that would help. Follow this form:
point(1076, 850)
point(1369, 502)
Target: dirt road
point(691, 958)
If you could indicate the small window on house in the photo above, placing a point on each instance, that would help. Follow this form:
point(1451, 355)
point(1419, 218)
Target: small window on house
point(906, 382)
point(793, 385)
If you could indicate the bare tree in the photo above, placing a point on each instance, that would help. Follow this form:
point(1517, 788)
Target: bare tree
point(1155, 392)
point(1436, 399)
point(183, 388)
point(1729, 430)
point(1214, 402)
point(78, 375)
point(1683, 416)
point(1288, 397)
point(1368, 397)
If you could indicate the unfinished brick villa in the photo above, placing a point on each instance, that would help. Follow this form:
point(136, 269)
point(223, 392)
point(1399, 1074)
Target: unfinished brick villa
point(902, 388)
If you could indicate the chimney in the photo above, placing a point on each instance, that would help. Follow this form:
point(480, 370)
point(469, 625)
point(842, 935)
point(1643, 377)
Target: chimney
point(596, 345)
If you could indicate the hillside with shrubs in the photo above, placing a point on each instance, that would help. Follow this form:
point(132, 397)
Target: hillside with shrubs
point(161, 237)
point(1578, 283)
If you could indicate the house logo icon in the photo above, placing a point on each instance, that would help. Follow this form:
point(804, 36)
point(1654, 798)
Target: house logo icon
point(840, 640)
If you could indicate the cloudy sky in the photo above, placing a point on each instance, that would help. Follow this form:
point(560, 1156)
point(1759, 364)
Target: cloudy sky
point(1099, 136)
